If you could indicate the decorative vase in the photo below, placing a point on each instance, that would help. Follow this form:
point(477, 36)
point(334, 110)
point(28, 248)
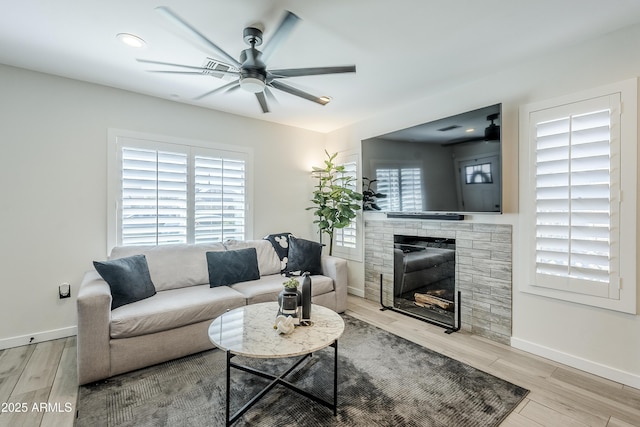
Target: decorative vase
point(306, 297)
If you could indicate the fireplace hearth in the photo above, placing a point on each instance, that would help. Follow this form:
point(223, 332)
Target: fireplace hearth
point(424, 277)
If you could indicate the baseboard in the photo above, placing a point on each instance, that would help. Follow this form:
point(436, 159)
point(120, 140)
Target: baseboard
point(38, 337)
point(594, 368)
point(355, 291)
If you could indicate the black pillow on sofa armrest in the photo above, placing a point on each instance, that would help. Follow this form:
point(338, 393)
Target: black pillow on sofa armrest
point(229, 267)
point(304, 255)
point(128, 278)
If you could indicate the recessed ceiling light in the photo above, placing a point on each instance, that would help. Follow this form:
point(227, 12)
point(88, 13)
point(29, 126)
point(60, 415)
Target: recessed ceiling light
point(469, 130)
point(131, 40)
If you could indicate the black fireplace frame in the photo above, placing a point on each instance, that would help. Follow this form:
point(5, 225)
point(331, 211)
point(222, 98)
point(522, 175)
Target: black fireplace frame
point(448, 328)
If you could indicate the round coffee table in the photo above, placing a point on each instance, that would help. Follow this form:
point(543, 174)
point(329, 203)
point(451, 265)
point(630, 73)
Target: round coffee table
point(248, 331)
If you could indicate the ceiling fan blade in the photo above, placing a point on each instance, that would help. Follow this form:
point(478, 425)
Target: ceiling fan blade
point(172, 17)
point(222, 88)
point(204, 70)
point(270, 95)
point(297, 92)
point(199, 73)
point(314, 71)
point(280, 34)
point(263, 102)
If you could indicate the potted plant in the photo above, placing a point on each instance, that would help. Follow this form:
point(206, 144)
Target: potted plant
point(336, 202)
point(369, 195)
point(291, 284)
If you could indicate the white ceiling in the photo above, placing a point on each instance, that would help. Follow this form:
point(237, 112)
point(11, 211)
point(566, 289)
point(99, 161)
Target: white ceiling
point(403, 49)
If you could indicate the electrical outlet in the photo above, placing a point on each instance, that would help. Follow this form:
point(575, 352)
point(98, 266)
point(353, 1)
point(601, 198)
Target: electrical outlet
point(64, 290)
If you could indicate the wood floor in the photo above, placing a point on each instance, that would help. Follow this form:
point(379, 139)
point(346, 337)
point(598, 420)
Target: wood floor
point(39, 384)
point(45, 373)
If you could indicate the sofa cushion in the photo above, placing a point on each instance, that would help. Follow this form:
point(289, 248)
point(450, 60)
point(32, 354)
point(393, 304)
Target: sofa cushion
point(172, 309)
point(173, 266)
point(304, 255)
point(229, 267)
point(269, 287)
point(268, 261)
point(128, 279)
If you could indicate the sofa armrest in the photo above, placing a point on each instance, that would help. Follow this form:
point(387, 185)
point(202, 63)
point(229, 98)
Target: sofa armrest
point(336, 269)
point(94, 317)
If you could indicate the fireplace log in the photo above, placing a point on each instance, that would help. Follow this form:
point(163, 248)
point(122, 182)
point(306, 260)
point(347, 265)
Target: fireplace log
point(437, 292)
point(423, 300)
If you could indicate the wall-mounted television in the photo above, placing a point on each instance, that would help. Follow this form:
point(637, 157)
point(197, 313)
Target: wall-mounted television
point(448, 166)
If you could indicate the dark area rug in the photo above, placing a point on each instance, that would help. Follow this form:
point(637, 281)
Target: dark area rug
point(384, 380)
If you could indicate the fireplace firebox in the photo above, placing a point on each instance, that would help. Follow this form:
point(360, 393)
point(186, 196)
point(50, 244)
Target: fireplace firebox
point(424, 280)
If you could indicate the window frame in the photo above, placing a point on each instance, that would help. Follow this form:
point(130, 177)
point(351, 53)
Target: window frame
point(625, 207)
point(116, 138)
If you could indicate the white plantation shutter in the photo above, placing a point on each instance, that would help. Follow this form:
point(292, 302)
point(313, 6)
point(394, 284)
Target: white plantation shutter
point(154, 197)
point(346, 237)
point(175, 193)
point(577, 169)
point(219, 199)
point(403, 187)
point(389, 184)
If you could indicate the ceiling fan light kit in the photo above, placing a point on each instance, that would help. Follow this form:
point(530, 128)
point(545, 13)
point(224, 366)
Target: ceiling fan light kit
point(252, 84)
point(251, 70)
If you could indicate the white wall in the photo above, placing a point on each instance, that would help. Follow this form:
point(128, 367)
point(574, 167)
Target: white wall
point(53, 171)
point(600, 341)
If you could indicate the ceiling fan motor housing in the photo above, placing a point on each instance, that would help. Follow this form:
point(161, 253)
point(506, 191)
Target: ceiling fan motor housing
point(253, 73)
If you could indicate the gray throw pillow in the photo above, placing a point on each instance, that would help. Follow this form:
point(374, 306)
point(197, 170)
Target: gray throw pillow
point(229, 267)
point(304, 255)
point(128, 278)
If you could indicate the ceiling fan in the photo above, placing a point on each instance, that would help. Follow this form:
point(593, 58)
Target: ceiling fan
point(491, 133)
point(251, 68)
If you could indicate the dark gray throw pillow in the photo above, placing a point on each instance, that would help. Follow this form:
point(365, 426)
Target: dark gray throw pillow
point(229, 267)
point(128, 278)
point(304, 255)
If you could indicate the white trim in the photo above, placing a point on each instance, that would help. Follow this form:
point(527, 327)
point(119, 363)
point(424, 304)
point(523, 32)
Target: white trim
point(613, 374)
point(355, 291)
point(38, 337)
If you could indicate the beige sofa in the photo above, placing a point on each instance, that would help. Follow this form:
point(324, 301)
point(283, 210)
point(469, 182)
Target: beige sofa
point(173, 323)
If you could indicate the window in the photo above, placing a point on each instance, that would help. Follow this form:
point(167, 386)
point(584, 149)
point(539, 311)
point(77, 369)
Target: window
point(346, 237)
point(153, 202)
point(576, 233)
point(403, 187)
point(478, 174)
point(167, 191)
point(347, 241)
point(578, 200)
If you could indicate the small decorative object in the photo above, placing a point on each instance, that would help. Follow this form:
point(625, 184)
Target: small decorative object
point(369, 195)
point(290, 300)
point(306, 299)
point(284, 324)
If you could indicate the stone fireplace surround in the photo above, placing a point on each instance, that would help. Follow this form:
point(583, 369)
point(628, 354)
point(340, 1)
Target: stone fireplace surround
point(483, 268)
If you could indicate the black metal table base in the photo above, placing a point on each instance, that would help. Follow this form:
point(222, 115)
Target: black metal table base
point(279, 380)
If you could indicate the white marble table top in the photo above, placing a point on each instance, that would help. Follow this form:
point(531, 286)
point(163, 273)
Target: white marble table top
point(248, 331)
